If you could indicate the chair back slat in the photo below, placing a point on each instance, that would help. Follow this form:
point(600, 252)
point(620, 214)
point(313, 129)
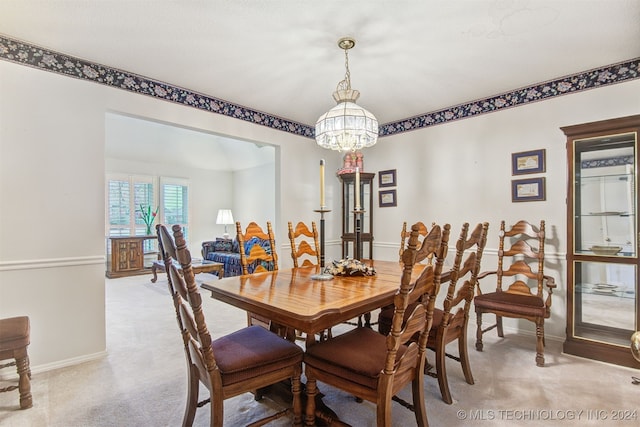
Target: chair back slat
point(526, 260)
point(303, 252)
point(464, 276)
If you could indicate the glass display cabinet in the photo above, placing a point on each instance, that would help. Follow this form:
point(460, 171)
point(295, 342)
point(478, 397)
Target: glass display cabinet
point(602, 240)
point(348, 217)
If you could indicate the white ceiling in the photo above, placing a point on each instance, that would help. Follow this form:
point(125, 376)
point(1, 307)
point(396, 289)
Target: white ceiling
point(281, 56)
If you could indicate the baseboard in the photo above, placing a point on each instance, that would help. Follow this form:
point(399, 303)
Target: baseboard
point(38, 369)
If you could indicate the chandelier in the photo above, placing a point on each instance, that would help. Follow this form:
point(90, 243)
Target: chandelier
point(347, 126)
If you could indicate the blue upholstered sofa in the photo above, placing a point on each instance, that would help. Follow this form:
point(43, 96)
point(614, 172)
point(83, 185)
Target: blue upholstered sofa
point(227, 252)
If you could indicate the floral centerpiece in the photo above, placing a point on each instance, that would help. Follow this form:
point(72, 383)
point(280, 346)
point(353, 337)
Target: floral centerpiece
point(148, 216)
point(349, 267)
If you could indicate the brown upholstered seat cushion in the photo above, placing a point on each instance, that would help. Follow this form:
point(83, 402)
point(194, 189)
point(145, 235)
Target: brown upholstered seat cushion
point(243, 354)
point(358, 355)
point(528, 305)
point(14, 333)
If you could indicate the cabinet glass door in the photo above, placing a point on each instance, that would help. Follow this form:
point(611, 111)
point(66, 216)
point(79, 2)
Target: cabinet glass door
point(605, 238)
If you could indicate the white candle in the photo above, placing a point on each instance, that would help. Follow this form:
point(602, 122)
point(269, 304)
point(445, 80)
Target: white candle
point(322, 183)
point(357, 189)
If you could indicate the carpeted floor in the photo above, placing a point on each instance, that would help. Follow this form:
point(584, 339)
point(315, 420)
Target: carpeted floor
point(141, 382)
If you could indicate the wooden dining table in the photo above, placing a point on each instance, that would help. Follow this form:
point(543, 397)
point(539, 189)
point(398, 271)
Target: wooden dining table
point(292, 298)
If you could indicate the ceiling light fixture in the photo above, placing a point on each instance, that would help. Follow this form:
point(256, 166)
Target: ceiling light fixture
point(347, 126)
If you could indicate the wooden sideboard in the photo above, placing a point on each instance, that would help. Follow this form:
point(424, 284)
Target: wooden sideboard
point(127, 256)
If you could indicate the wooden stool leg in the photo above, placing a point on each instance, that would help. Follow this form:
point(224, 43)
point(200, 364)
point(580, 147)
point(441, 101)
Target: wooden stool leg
point(24, 384)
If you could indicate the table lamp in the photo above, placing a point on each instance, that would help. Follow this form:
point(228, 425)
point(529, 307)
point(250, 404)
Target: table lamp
point(225, 217)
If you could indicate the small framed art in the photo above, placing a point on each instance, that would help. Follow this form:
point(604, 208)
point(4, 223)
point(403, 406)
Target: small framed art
point(387, 198)
point(387, 178)
point(528, 190)
point(528, 162)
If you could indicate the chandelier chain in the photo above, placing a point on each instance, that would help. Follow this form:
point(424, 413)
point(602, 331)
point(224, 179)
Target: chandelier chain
point(346, 83)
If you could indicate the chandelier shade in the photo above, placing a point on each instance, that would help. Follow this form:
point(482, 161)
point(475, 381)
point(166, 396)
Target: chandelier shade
point(346, 126)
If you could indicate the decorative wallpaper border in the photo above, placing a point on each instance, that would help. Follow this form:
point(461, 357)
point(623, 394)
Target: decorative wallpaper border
point(607, 75)
point(37, 57)
point(33, 56)
point(609, 161)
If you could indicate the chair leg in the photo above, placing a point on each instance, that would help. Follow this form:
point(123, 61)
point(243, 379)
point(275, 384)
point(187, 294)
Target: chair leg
point(540, 342)
point(499, 325)
point(464, 356)
point(296, 390)
point(383, 412)
point(311, 391)
point(419, 409)
point(441, 371)
point(217, 411)
point(479, 344)
point(192, 397)
point(24, 384)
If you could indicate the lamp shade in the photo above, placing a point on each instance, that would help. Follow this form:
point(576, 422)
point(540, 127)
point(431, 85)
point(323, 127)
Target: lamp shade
point(224, 217)
point(347, 126)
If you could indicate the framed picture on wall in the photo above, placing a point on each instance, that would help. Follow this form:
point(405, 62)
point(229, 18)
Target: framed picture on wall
point(387, 198)
point(528, 162)
point(387, 178)
point(528, 190)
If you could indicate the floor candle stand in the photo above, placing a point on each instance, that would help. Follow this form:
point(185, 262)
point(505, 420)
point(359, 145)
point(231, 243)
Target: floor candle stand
point(322, 275)
point(357, 251)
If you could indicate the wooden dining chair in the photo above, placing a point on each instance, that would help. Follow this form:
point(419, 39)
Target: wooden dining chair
point(385, 315)
point(305, 249)
point(524, 295)
point(375, 367)
point(243, 361)
point(258, 254)
point(14, 339)
point(450, 322)
point(305, 252)
point(257, 248)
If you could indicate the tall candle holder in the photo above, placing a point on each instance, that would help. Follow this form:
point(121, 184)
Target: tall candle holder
point(357, 251)
point(322, 275)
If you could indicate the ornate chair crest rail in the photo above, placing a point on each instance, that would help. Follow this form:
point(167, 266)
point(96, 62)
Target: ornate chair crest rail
point(404, 236)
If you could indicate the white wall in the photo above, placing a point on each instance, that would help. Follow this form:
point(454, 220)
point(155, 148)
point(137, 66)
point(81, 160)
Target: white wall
point(52, 142)
point(461, 171)
point(52, 145)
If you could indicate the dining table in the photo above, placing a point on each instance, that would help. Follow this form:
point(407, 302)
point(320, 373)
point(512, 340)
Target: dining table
point(293, 298)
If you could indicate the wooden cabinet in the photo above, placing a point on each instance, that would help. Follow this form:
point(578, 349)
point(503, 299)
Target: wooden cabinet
point(602, 239)
point(348, 217)
point(127, 256)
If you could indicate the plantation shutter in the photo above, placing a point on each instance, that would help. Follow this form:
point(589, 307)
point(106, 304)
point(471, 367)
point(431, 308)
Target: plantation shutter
point(175, 202)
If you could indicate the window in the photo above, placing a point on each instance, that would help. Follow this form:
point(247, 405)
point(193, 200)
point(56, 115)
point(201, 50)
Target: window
point(126, 194)
point(175, 202)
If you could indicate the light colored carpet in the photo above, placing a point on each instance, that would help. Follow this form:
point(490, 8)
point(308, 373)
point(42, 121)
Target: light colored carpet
point(142, 380)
